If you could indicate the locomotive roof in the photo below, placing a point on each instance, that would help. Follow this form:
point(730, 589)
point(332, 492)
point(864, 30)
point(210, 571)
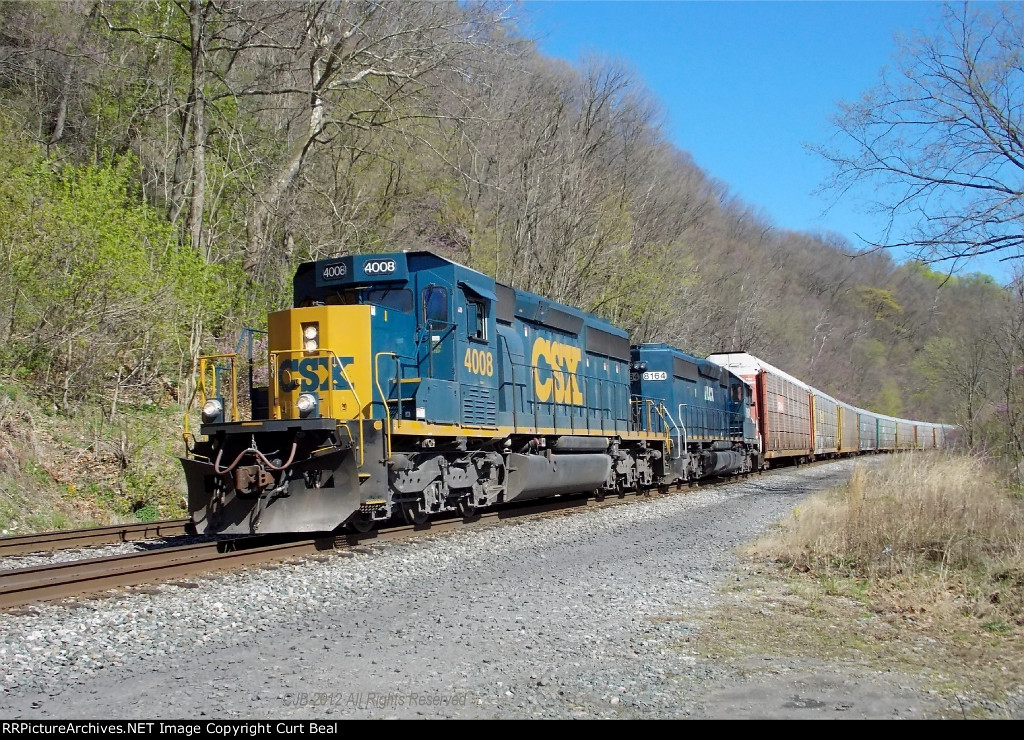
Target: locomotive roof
point(707, 368)
point(360, 270)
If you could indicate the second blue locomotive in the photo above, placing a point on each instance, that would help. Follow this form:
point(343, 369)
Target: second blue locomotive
point(407, 385)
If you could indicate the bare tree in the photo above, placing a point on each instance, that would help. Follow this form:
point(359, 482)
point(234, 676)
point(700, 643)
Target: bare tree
point(941, 139)
point(360, 66)
point(1009, 366)
point(48, 60)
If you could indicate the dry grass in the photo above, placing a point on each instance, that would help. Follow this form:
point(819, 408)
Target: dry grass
point(928, 530)
point(914, 569)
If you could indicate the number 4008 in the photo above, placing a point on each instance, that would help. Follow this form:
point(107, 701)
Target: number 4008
point(479, 362)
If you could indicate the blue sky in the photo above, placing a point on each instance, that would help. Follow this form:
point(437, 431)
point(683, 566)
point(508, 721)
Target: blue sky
point(746, 84)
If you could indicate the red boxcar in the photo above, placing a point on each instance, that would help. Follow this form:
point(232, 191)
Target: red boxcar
point(783, 406)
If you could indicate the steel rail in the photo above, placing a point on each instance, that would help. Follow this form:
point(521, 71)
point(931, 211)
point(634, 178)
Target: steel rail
point(96, 575)
point(110, 535)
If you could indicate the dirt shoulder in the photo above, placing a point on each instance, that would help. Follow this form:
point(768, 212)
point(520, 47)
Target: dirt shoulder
point(785, 646)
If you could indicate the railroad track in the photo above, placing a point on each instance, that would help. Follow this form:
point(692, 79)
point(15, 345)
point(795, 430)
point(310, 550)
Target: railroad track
point(97, 575)
point(24, 586)
point(112, 535)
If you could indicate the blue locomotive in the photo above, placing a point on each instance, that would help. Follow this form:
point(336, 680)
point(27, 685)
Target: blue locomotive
point(707, 407)
point(404, 385)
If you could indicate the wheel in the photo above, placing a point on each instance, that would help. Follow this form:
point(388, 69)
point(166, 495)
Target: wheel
point(361, 523)
point(414, 515)
point(467, 509)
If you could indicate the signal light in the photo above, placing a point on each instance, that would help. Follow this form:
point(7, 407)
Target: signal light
point(311, 337)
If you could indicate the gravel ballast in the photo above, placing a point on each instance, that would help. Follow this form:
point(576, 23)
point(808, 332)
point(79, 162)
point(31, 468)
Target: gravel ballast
point(589, 614)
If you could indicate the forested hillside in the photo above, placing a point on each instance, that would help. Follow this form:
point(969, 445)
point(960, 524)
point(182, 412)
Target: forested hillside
point(166, 165)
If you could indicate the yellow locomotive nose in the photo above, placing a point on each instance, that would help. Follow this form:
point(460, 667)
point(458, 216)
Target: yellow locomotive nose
point(319, 362)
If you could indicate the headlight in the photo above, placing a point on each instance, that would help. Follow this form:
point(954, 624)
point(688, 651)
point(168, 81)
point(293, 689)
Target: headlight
point(311, 337)
point(305, 404)
point(212, 410)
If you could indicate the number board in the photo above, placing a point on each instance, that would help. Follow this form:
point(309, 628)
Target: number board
point(362, 269)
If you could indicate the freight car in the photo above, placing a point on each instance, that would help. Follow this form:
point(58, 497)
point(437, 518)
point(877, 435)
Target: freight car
point(797, 423)
point(405, 385)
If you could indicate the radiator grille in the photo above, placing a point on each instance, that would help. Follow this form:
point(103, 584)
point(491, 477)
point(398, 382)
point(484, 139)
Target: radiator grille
point(479, 405)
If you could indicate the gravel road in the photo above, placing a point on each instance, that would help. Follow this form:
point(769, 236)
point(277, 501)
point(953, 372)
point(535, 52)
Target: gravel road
point(587, 615)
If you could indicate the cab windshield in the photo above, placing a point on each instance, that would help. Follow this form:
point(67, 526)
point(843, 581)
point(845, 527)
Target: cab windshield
point(399, 299)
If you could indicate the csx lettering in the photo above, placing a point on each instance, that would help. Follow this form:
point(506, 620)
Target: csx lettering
point(554, 373)
point(312, 374)
point(379, 267)
point(335, 271)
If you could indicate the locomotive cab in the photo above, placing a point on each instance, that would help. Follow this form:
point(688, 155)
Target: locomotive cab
point(708, 409)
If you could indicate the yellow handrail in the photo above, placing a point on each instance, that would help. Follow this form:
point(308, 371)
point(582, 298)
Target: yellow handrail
point(644, 407)
point(205, 361)
point(660, 409)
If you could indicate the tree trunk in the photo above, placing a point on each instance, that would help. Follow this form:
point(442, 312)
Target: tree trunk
point(197, 18)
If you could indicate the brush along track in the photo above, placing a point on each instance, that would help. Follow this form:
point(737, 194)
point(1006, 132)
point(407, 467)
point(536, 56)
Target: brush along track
point(112, 535)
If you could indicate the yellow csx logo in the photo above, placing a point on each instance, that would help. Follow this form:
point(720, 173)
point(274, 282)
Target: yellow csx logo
point(555, 372)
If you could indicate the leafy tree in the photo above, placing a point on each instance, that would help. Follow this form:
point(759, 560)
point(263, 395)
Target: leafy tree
point(97, 292)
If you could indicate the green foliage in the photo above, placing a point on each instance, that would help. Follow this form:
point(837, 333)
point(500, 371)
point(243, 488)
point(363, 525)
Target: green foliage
point(997, 627)
point(880, 301)
point(922, 270)
point(95, 282)
point(889, 398)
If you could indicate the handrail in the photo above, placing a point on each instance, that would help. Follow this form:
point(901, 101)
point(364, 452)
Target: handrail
point(644, 406)
point(384, 399)
point(659, 407)
point(204, 363)
point(678, 432)
point(685, 440)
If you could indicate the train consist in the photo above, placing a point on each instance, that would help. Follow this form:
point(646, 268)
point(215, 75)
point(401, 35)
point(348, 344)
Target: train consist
point(405, 385)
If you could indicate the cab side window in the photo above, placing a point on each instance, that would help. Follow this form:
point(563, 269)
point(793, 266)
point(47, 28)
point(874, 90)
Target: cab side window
point(476, 318)
point(435, 305)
